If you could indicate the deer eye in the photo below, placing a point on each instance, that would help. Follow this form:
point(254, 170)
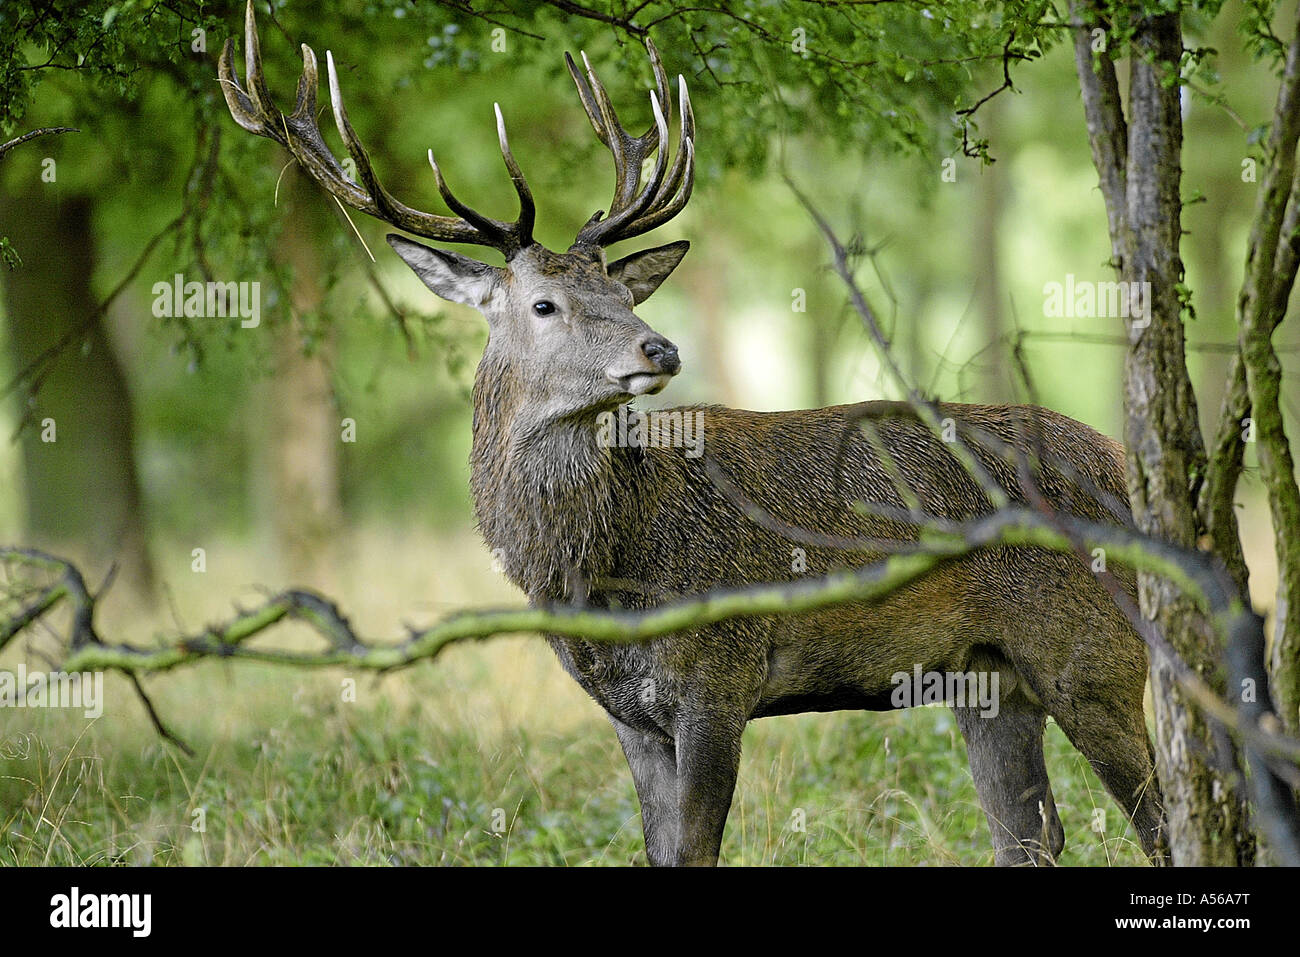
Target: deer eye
point(544, 307)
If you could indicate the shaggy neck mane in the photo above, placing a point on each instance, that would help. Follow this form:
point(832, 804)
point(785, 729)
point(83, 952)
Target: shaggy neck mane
point(546, 494)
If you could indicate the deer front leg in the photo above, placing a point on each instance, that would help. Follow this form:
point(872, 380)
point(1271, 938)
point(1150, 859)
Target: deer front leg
point(653, 762)
point(708, 758)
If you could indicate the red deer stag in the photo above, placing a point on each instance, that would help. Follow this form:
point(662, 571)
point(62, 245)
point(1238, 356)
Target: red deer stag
point(578, 519)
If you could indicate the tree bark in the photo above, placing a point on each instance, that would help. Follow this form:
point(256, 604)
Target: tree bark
point(1270, 274)
point(1139, 163)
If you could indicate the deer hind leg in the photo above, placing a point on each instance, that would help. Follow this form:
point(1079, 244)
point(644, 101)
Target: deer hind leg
point(1006, 761)
point(1113, 737)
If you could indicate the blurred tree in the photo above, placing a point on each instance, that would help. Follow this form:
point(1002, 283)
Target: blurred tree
point(304, 429)
point(77, 440)
point(995, 382)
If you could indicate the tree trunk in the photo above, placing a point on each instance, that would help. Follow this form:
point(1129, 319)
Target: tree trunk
point(709, 284)
point(822, 322)
point(992, 370)
point(78, 449)
point(304, 427)
point(1139, 165)
point(1270, 274)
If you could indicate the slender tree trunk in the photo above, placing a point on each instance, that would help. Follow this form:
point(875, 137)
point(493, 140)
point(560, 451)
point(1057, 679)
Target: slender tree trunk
point(991, 366)
point(1167, 460)
point(78, 449)
point(1270, 274)
point(822, 325)
point(1139, 163)
point(304, 426)
point(712, 298)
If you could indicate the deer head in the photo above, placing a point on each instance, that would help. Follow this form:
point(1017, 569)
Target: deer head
point(560, 323)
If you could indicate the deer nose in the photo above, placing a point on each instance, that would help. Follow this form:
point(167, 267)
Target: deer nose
point(662, 353)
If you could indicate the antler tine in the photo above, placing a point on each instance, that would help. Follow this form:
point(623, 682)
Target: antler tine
point(661, 155)
point(661, 89)
point(633, 213)
point(384, 205)
point(588, 99)
point(632, 150)
point(483, 224)
point(241, 106)
point(527, 210)
point(657, 217)
point(253, 108)
point(305, 102)
point(258, 91)
point(682, 179)
point(675, 191)
point(624, 212)
point(617, 140)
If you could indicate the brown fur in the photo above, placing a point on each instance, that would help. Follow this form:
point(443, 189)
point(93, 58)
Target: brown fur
point(579, 523)
point(569, 517)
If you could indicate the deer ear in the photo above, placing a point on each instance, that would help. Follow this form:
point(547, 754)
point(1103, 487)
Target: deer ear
point(643, 272)
point(450, 275)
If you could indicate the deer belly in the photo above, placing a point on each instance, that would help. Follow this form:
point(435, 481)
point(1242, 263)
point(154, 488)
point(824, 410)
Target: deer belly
point(830, 676)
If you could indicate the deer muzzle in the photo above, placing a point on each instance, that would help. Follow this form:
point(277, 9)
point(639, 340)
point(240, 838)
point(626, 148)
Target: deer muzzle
point(661, 363)
point(662, 354)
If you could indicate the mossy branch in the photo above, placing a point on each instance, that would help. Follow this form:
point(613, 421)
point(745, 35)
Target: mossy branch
point(88, 651)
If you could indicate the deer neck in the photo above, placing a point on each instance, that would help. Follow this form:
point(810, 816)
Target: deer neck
point(546, 493)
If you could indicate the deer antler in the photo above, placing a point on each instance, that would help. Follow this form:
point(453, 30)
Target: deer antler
point(634, 212)
point(252, 108)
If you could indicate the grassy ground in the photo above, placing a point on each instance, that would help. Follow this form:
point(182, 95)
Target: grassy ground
point(490, 756)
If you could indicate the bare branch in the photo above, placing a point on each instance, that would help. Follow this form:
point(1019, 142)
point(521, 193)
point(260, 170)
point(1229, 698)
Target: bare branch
point(44, 131)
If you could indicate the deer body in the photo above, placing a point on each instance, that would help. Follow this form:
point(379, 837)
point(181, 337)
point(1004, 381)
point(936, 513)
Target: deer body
point(643, 526)
point(579, 523)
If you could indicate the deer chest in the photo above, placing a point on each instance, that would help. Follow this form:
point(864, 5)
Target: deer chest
point(623, 680)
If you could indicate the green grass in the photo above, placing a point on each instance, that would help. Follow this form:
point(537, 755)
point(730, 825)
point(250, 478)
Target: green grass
point(491, 755)
point(327, 782)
